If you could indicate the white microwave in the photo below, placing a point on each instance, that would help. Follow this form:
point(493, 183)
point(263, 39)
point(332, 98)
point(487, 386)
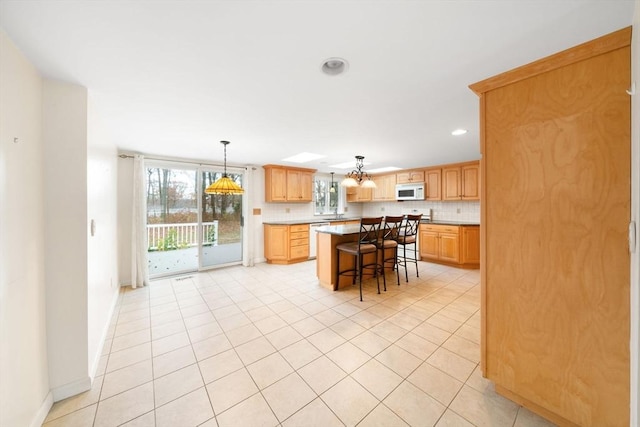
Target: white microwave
point(412, 191)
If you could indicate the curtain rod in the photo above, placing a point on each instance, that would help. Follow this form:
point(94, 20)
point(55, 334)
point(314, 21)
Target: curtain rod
point(127, 156)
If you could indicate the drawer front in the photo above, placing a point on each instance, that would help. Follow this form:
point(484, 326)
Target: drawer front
point(440, 228)
point(300, 242)
point(300, 251)
point(299, 228)
point(299, 235)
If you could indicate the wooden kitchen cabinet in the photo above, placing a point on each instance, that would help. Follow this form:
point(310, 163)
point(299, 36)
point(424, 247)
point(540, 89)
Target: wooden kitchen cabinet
point(450, 244)
point(286, 184)
point(470, 245)
point(299, 186)
point(406, 177)
point(286, 244)
point(433, 182)
point(461, 181)
point(555, 209)
point(385, 188)
point(440, 243)
point(359, 194)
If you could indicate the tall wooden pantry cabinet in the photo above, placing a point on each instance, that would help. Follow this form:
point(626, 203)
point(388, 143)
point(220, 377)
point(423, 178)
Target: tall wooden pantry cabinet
point(555, 208)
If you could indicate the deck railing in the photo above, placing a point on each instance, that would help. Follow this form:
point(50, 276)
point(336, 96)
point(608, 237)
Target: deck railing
point(162, 237)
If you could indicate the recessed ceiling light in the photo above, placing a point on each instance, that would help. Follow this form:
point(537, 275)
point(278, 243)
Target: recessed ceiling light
point(459, 132)
point(303, 157)
point(334, 66)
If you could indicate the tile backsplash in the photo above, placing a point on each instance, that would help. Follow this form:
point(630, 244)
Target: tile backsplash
point(457, 211)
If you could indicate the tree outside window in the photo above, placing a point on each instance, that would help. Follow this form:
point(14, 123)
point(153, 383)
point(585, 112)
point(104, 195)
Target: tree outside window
point(326, 196)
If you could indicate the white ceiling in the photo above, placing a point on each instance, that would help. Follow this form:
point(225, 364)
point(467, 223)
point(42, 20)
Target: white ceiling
point(172, 78)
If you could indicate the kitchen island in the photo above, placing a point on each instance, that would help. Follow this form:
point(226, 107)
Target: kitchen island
point(327, 258)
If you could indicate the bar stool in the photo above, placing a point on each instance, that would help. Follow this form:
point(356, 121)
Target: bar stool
point(367, 243)
point(392, 226)
point(408, 236)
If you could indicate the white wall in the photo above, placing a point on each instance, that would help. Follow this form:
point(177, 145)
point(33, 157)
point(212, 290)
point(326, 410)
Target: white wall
point(24, 376)
point(125, 200)
point(102, 246)
point(64, 110)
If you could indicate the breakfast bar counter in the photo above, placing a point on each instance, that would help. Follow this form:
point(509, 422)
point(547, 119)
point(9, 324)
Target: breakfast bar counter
point(329, 237)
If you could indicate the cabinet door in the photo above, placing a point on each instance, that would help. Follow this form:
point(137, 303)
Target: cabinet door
point(451, 183)
point(433, 181)
point(275, 185)
point(449, 247)
point(470, 175)
point(385, 188)
point(380, 192)
point(294, 186)
point(306, 186)
point(409, 177)
point(359, 194)
point(470, 245)
point(276, 242)
point(429, 244)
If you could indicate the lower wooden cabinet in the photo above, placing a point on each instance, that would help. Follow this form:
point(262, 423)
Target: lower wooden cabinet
point(286, 244)
point(457, 245)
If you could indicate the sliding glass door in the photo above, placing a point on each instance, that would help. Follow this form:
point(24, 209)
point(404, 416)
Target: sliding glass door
point(222, 222)
point(172, 220)
point(188, 230)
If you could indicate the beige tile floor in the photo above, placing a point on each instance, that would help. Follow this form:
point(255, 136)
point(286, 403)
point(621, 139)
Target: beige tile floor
point(269, 346)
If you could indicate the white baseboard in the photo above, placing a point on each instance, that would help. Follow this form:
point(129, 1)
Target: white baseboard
point(96, 358)
point(43, 411)
point(71, 389)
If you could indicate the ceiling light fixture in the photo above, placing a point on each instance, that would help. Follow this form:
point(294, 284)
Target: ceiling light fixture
point(224, 185)
point(332, 189)
point(334, 66)
point(357, 176)
point(459, 132)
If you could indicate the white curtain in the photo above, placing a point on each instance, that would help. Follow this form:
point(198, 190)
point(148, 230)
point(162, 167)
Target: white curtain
point(139, 271)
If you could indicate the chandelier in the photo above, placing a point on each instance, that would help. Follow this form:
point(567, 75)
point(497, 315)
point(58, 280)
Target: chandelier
point(224, 185)
point(357, 176)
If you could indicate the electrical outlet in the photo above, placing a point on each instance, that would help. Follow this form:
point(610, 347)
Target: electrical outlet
point(382, 209)
point(458, 210)
point(287, 210)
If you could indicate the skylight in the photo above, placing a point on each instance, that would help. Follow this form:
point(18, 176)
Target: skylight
point(303, 157)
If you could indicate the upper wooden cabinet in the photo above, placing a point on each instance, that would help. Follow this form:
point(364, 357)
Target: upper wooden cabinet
point(299, 185)
point(285, 184)
point(359, 194)
point(461, 181)
point(385, 188)
point(409, 177)
point(433, 181)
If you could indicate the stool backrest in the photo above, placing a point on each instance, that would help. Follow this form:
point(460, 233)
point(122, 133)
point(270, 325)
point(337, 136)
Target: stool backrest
point(411, 224)
point(369, 230)
point(392, 226)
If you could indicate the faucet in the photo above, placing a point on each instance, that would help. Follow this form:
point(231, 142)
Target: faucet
point(337, 215)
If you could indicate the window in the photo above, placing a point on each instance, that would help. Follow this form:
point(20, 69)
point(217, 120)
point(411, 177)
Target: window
point(326, 196)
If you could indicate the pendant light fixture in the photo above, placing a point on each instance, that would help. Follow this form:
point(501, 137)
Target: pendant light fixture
point(358, 177)
point(224, 185)
point(332, 189)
